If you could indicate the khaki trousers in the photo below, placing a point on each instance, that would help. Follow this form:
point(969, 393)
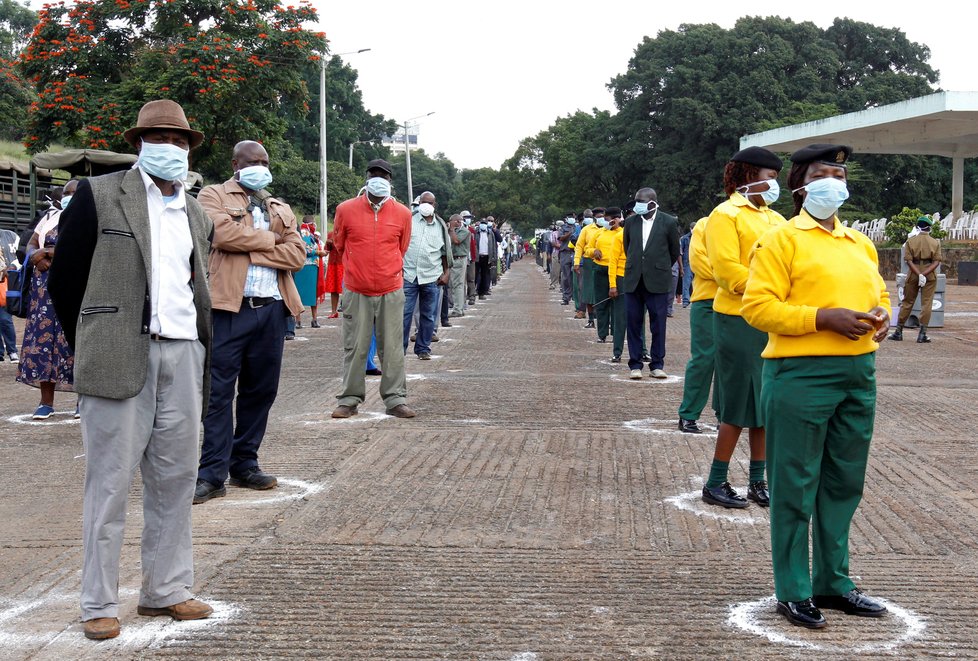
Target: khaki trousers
point(363, 316)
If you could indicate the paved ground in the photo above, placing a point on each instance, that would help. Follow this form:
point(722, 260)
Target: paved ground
point(540, 507)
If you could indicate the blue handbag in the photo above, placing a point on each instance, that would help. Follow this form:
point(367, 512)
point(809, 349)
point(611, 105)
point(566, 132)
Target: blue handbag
point(19, 289)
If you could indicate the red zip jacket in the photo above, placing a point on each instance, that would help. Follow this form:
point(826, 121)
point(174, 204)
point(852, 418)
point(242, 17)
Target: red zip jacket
point(372, 244)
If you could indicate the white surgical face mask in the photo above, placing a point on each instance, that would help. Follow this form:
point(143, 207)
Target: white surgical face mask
point(164, 161)
point(379, 187)
point(601, 222)
point(254, 177)
point(642, 208)
point(824, 197)
point(770, 196)
point(426, 209)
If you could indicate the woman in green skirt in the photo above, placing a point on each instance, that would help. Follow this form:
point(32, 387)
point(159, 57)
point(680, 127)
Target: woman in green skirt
point(815, 288)
point(751, 181)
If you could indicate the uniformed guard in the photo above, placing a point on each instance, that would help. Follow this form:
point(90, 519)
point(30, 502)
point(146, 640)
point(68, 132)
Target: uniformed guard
point(923, 256)
point(815, 288)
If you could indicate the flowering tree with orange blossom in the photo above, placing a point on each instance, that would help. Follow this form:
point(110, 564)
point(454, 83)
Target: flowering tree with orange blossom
point(234, 66)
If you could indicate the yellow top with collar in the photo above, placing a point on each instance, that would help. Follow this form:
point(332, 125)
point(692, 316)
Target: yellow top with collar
point(585, 242)
point(704, 286)
point(733, 228)
point(612, 245)
point(800, 267)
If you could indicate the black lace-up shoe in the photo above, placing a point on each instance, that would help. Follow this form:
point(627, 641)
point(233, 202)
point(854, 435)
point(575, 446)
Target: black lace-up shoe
point(689, 427)
point(853, 602)
point(802, 614)
point(757, 491)
point(724, 496)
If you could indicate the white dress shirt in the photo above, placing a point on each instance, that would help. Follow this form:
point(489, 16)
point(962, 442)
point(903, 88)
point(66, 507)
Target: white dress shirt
point(647, 229)
point(172, 311)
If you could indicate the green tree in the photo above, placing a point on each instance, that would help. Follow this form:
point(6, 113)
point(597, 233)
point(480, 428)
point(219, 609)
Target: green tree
point(438, 175)
point(16, 23)
point(229, 63)
point(347, 121)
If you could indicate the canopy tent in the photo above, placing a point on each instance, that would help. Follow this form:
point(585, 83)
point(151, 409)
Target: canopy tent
point(941, 124)
point(91, 163)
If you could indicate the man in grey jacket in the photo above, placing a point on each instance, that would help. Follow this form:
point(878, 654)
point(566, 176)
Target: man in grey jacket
point(130, 289)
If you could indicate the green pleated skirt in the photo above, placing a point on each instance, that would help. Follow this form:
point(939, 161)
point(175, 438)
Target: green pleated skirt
point(738, 370)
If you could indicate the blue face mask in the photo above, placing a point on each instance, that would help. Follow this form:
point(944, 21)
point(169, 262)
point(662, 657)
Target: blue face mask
point(483, 227)
point(164, 161)
point(770, 196)
point(642, 208)
point(588, 221)
point(379, 187)
point(254, 177)
point(602, 222)
point(824, 197)
point(65, 200)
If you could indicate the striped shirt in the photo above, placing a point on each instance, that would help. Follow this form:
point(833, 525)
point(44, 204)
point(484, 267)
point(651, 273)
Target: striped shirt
point(261, 281)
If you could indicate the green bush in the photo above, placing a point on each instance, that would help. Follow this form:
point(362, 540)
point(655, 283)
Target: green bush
point(901, 224)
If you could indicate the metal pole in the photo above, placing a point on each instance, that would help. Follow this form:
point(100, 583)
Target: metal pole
point(957, 186)
point(407, 161)
point(351, 155)
point(322, 141)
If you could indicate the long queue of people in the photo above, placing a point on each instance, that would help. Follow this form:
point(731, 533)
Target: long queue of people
point(785, 320)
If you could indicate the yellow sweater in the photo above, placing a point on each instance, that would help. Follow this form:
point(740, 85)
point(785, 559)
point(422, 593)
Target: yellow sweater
point(733, 228)
point(585, 242)
point(704, 286)
point(800, 267)
point(615, 254)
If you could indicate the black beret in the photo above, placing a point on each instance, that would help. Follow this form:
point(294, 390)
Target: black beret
point(758, 156)
point(831, 154)
point(380, 164)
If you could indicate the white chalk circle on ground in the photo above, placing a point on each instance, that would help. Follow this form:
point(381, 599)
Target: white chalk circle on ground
point(758, 618)
point(660, 426)
point(287, 489)
point(21, 620)
point(416, 377)
point(693, 502)
point(646, 378)
point(57, 418)
point(299, 338)
point(362, 416)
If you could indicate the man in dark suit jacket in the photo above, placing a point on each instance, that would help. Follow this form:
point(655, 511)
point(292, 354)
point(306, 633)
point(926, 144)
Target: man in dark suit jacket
point(651, 242)
point(130, 289)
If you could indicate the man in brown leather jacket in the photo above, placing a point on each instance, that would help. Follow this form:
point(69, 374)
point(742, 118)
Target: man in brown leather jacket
point(255, 250)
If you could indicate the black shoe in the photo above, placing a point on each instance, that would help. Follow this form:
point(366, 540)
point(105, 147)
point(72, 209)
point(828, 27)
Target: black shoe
point(424, 356)
point(853, 602)
point(922, 336)
point(589, 324)
point(565, 303)
point(646, 358)
point(616, 359)
point(445, 324)
point(290, 336)
point(315, 323)
point(689, 427)
point(724, 496)
point(601, 340)
point(373, 372)
point(205, 491)
point(471, 301)
point(255, 478)
point(897, 335)
point(757, 491)
point(802, 614)
point(482, 297)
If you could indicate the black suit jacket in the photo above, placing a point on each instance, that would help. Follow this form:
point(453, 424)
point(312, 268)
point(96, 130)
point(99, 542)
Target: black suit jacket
point(650, 264)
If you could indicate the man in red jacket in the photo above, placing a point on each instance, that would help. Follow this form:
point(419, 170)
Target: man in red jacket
point(371, 233)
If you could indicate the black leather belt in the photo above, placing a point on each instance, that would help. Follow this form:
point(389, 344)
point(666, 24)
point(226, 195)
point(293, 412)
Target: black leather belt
point(156, 337)
point(258, 301)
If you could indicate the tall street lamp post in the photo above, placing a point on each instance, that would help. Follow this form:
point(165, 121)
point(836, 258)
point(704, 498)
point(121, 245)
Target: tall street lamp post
point(322, 130)
point(407, 153)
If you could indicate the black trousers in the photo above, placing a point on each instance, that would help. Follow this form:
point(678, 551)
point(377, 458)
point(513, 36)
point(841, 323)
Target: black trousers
point(482, 275)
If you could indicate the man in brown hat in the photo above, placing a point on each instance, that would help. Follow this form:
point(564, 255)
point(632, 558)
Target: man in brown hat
point(130, 290)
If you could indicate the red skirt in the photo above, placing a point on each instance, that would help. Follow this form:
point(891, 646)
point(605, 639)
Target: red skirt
point(334, 276)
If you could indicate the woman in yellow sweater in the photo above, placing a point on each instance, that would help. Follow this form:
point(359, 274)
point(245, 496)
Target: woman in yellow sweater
point(751, 181)
point(815, 288)
point(608, 253)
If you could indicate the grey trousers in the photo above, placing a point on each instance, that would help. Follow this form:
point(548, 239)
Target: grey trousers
point(566, 274)
point(158, 430)
point(555, 271)
point(361, 315)
point(457, 282)
point(470, 280)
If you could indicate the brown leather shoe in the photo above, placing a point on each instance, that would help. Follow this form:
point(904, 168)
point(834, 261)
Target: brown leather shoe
point(191, 609)
point(101, 628)
point(401, 411)
point(344, 411)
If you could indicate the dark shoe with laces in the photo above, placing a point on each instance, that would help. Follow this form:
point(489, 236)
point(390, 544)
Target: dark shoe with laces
point(922, 336)
point(616, 359)
point(344, 411)
point(589, 324)
point(853, 602)
point(724, 496)
point(401, 411)
point(254, 478)
point(897, 335)
point(205, 491)
point(689, 426)
point(315, 323)
point(757, 491)
point(424, 356)
point(802, 614)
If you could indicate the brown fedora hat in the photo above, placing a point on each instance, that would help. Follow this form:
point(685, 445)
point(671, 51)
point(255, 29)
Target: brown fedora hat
point(162, 114)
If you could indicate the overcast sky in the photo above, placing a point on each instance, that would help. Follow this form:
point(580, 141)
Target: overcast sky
point(499, 71)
